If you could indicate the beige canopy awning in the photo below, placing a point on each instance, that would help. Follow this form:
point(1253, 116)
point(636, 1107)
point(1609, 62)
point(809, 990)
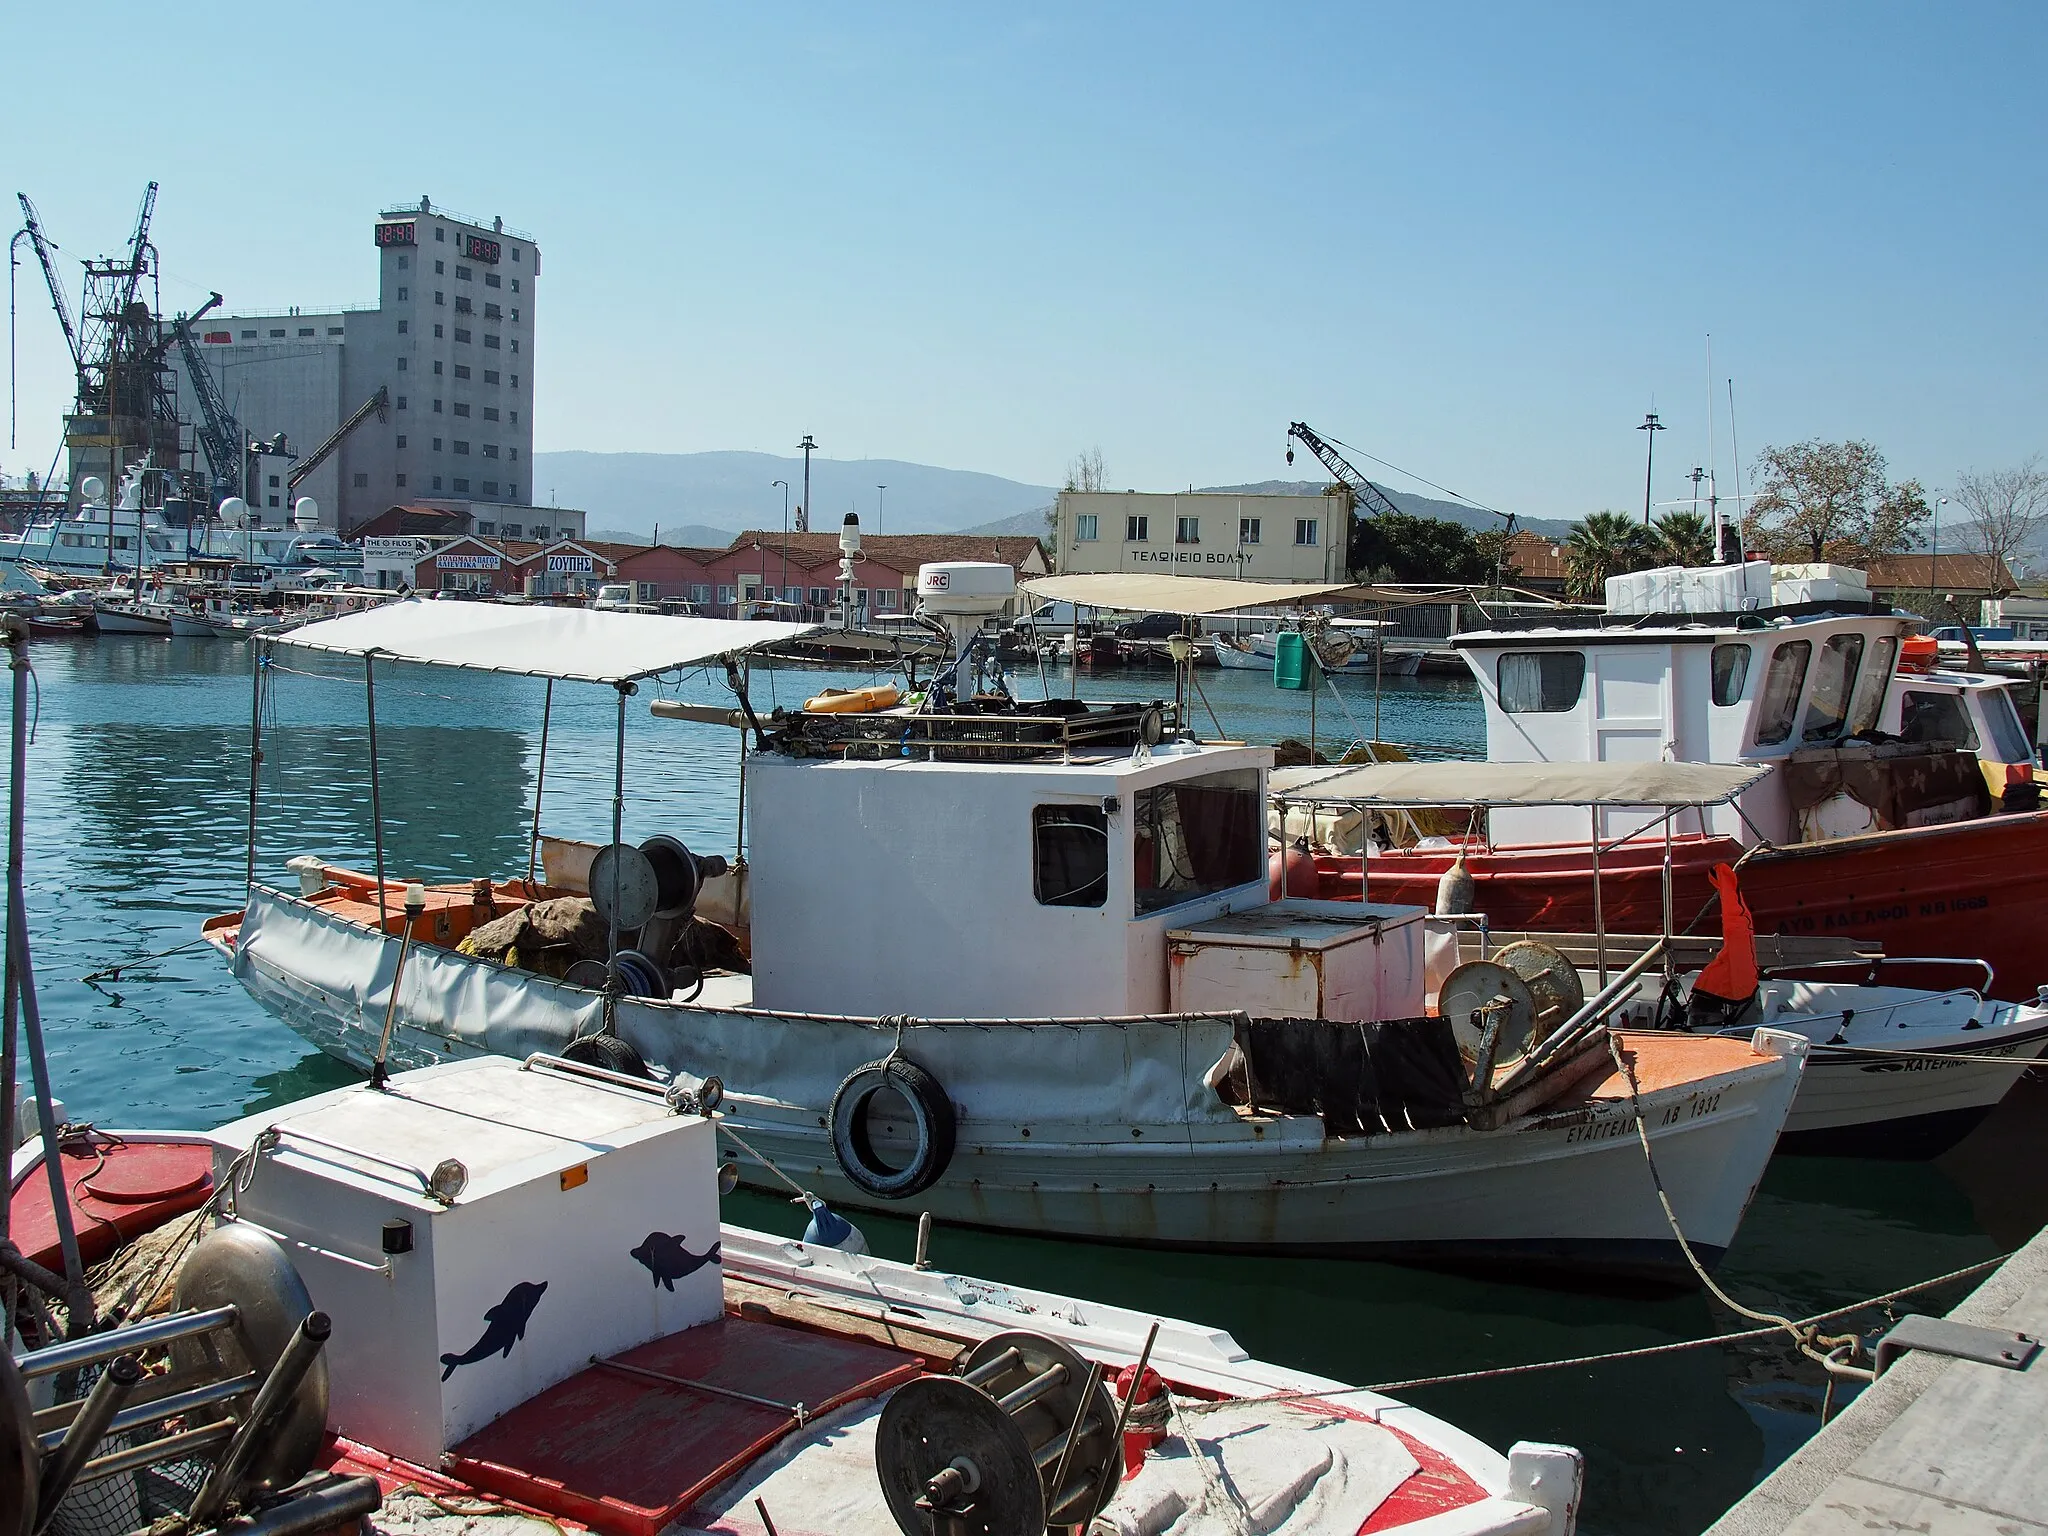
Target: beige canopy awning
point(1133, 592)
point(1659, 785)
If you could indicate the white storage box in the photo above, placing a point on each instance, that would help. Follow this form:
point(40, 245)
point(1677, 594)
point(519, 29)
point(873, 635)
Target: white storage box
point(1818, 582)
point(1299, 959)
point(583, 1229)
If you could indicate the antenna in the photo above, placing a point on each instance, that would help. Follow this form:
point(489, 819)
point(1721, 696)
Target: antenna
point(1735, 452)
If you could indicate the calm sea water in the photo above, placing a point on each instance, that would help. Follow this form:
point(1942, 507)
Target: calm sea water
point(139, 795)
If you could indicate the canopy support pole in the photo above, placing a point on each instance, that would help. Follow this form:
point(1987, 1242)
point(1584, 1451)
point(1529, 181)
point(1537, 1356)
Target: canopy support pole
point(540, 780)
point(262, 649)
point(1599, 918)
point(1669, 817)
point(376, 799)
point(618, 832)
point(739, 831)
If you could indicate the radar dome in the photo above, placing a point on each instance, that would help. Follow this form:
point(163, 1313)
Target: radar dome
point(92, 488)
point(305, 514)
point(234, 512)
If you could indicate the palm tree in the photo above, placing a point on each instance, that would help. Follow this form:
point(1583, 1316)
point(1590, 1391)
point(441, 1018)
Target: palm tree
point(1601, 545)
point(1683, 538)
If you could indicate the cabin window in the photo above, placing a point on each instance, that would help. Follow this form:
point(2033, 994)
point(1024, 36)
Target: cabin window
point(1070, 855)
point(1783, 679)
point(1541, 682)
point(2008, 736)
point(1196, 838)
point(1833, 681)
point(1937, 717)
point(1867, 702)
point(1731, 671)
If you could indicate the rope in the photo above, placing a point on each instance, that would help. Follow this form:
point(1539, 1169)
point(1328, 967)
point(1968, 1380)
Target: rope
point(727, 1130)
point(113, 972)
point(1642, 1352)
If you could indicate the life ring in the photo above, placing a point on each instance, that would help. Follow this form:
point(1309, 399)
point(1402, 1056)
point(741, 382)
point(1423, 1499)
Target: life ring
point(931, 1113)
point(853, 701)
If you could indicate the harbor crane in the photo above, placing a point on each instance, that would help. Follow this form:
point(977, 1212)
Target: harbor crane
point(1363, 491)
point(377, 405)
point(221, 438)
point(45, 248)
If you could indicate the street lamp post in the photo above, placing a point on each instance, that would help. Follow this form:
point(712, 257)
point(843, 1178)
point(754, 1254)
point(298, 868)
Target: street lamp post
point(803, 512)
point(785, 534)
point(878, 507)
point(1934, 557)
point(1652, 426)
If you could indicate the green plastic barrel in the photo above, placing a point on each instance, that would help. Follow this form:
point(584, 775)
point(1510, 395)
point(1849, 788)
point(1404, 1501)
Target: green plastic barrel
point(1291, 661)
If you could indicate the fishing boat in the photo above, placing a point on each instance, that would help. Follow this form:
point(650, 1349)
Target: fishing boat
point(423, 1281)
point(122, 612)
point(1891, 835)
point(1337, 650)
point(1178, 1078)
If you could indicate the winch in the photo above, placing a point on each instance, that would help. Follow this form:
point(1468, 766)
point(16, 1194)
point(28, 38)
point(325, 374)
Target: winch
point(1021, 1437)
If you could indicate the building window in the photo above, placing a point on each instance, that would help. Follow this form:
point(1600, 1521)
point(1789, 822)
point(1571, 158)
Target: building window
point(437, 482)
point(401, 365)
point(490, 340)
point(1084, 527)
point(513, 530)
point(515, 314)
point(463, 485)
point(463, 306)
point(334, 330)
point(401, 402)
point(462, 274)
point(725, 595)
point(1541, 682)
point(490, 413)
point(492, 312)
point(461, 408)
point(273, 486)
point(439, 297)
point(273, 501)
point(401, 481)
point(437, 409)
point(438, 332)
point(401, 439)
point(1137, 528)
point(437, 445)
point(248, 335)
point(277, 334)
point(404, 326)
point(1307, 531)
point(437, 365)
point(512, 453)
point(461, 446)
point(515, 257)
point(439, 234)
point(1247, 530)
point(512, 489)
point(440, 267)
point(404, 261)
point(699, 592)
point(305, 330)
point(1187, 530)
point(514, 416)
point(490, 375)
point(515, 281)
point(492, 280)
point(461, 334)
point(515, 343)
point(361, 480)
point(486, 527)
point(1070, 855)
point(515, 381)
point(490, 450)
point(491, 489)
point(462, 370)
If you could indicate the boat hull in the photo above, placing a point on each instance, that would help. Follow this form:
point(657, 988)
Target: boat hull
point(115, 621)
point(1100, 1129)
point(1970, 888)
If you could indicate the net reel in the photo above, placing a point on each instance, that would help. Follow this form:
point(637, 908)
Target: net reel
point(1532, 981)
point(976, 1453)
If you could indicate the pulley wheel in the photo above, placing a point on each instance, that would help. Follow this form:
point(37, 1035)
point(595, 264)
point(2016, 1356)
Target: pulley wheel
point(1476, 985)
point(1052, 1414)
point(621, 870)
point(1553, 980)
point(235, 1264)
point(936, 1422)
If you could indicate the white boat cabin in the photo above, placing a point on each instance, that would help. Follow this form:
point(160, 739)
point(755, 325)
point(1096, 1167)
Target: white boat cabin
point(1804, 684)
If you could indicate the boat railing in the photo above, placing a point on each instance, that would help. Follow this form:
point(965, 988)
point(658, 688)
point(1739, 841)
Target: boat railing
point(1003, 736)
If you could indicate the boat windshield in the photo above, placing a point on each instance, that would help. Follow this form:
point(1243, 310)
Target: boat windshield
point(1195, 838)
point(2008, 736)
point(1866, 702)
point(1827, 707)
point(1783, 679)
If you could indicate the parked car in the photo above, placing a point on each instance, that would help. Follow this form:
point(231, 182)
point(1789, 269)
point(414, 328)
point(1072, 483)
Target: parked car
point(1153, 626)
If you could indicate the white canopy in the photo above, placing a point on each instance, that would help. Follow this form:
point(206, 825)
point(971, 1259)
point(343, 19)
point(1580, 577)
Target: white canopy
point(1662, 785)
point(1133, 592)
point(574, 644)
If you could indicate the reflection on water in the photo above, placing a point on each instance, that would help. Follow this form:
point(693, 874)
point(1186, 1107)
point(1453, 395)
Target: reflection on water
point(139, 800)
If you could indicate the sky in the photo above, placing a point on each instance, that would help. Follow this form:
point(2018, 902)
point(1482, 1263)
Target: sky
point(1478, 242)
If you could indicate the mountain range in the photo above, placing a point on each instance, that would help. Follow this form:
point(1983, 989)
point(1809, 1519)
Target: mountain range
point(705, 498)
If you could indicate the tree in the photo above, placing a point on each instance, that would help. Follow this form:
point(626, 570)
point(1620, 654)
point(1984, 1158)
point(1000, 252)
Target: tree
point(1682, 538)
point(1601, 545)
point(2005, 509)
point(1831, 501)
point(1397, 547)
point(1086, 472)
point(1495, 548)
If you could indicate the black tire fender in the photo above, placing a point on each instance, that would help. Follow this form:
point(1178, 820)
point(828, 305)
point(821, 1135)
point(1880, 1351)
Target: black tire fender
point(930, 1111)
point(608, 1052)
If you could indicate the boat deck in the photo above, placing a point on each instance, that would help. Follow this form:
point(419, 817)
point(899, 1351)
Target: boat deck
point(1941, 1446)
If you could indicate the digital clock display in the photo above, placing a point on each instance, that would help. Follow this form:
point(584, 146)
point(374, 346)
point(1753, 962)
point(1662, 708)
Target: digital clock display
point(480, 249)
point(397, 234)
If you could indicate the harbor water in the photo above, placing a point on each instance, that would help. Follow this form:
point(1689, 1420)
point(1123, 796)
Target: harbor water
point(138, 803)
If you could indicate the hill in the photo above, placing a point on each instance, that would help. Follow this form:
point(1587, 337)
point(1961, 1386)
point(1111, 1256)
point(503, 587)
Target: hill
point(702, 492)
point(1414, 505)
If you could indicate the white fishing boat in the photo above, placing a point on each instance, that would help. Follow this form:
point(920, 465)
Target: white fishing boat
point(1336, 649)
point(1148, 1086)
point(427, 1279)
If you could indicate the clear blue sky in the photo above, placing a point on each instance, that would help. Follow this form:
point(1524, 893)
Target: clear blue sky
point(1478, 241)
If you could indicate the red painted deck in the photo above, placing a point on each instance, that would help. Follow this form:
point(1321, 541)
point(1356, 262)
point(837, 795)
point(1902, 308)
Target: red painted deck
point(119, 1190)
point(626, 1455)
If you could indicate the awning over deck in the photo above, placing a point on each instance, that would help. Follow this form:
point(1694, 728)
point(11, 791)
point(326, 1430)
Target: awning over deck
point(1660, 785)
point(573, 644)
point(1134, 592)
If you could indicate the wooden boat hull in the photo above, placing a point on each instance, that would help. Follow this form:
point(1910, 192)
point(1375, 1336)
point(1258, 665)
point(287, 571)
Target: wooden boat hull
point(1969, 888)
point(1100, 1129)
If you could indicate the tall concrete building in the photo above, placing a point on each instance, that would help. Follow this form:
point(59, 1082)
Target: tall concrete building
point(451, 337)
